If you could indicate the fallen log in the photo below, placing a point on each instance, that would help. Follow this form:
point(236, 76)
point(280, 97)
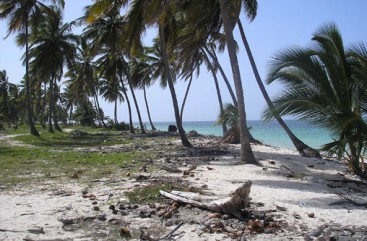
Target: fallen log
point(234, 204)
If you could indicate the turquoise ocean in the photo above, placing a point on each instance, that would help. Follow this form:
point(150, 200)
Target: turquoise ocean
point(270, 133)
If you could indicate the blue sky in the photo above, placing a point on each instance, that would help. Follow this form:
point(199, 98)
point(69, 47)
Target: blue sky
point(279, 24)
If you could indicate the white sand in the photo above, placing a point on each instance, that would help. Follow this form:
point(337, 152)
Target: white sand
point(308, 193)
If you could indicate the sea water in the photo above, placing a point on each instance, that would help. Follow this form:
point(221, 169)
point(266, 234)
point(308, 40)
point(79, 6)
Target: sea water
point(270, 133)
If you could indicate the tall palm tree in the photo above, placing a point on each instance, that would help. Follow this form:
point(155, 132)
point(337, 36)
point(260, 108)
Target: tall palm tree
point(160, 13)
point(83, 72)
point(301, 147)
point(111, 90)
point(19, 13)
point(141, 78)
point(53, 47)
point(246, 153)
point(108, 32)
point(324, 86)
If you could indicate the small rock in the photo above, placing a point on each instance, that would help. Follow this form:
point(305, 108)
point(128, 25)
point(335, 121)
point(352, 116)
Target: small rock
point(125, 232)
point(311, 215)
point(152, 205)
point(96, 208)
point(144, 214)
point(124, 213)
point(102, 217)
point(226, 216)
point(112, 207)
point(192, 133)
point(94, 203)
point(169, 223)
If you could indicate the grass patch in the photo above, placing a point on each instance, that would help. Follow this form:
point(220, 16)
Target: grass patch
point(150, 194)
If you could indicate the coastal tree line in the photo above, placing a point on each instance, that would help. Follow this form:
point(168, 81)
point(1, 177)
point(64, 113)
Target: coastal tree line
point(325, 84)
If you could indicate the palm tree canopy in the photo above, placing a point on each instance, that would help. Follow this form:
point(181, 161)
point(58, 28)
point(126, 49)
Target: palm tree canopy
point(19, 12)
point(320, 84)
point(54, 45)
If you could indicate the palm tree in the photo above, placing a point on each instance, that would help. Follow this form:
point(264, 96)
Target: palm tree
point(8, 94)
point(250, 8)
point(301, 147)
point(324, 85)
point(141, 78)
point(111, 90)
point(146, 13)
point(19, 13)
point(83, 72)
point(53, 47)
point(108, 32)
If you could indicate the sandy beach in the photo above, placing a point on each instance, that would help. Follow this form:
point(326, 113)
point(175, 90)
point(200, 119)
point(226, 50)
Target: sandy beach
point(292, 198)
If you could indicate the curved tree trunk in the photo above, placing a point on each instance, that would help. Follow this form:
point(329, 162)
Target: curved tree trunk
point(142, 129)
point(246, 154)
point(301, 147)
point(32, 127)
point(184, 140)
point(224, 127)
point(99, 111)
point(226, 81)
point(148, 111)
point(186, 94)
point(131, 126)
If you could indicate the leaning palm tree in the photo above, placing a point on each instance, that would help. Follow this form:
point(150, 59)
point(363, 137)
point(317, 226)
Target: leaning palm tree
point(250, 7)
point(212, 21)
point(19, 14)
point(301, 147)
point(323, 85)
point(141, 78)
point(162, 14)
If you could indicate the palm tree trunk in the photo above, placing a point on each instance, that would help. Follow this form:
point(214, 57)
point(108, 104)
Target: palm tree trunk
point(131, 126)
point(99, 111)
point(70, 114)
point(115, 114)
point(226, 81)
point(181, 132)
point(148, 111)
point(55, 94)
point(32, 127)
point(50, 106)
point(301, 147)
point(246, 153)
point(142, 129)
point(224, 127)
point(185, 98)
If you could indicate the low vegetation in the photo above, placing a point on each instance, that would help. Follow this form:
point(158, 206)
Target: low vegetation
point(26, 159)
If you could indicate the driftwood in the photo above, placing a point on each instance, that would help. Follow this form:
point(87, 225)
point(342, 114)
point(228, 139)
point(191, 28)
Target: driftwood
point(234, 204)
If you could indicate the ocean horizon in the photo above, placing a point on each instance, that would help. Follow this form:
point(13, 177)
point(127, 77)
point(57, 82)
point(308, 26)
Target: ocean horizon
point(269, 133)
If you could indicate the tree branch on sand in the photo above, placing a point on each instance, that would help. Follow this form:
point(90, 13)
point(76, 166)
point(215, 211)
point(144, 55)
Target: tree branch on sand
point(234, 204)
